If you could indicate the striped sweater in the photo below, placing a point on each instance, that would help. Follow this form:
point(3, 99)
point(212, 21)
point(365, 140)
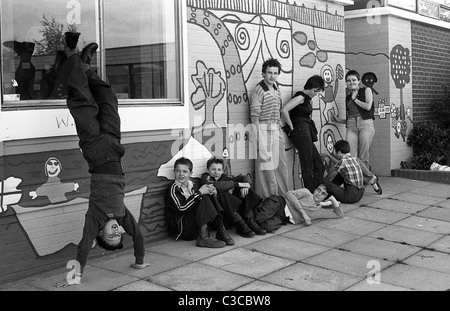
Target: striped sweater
point(264, 106)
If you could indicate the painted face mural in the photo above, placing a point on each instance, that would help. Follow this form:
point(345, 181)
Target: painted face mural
point(327, 74)
point(330, 144)
point(53, 167)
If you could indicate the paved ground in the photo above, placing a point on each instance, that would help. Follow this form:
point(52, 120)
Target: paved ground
point(405, 232)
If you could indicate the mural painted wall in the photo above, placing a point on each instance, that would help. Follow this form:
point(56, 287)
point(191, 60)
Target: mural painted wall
point(382, 51)
point(44, 196)
point(229, 42)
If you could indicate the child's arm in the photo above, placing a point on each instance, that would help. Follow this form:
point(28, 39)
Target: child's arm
point(179, 201)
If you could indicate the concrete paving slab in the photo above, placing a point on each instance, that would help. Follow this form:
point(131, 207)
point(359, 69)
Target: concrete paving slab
point(414, 184)
point(435, 190)
point(259, 286)
point(445, 204)
point(416, 278)
point(346, 262)
point(391, 189)
point(158, 263)
point(303, 277)
point(435, 261)
point(351, 225)
point(186, 250)
point(442, 245)
point(380, 249)
point(247, 262)
point(322, 236)
point(399, 206)
point(346, 208)
point(199, 277)
point(94, 279)
point(417, 198)
point(288, 248)
point(407, 235)
point(426, 224)
point(437, 213)
point(368, 199)
point(377, 215)
point(142, 286)
point(364, 286)
point(19, 287)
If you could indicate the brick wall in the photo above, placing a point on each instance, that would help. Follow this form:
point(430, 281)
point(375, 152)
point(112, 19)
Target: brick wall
point(430, 67)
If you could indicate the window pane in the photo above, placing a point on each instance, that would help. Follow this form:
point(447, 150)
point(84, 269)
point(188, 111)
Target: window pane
point(141, 49)
point(33, 42)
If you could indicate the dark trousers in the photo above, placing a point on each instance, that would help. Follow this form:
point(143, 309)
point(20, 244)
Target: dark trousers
point(347, 194)
point(249, 204)
point(94, 107)
point(310, 160)
point(234, 203)
point(204, 213)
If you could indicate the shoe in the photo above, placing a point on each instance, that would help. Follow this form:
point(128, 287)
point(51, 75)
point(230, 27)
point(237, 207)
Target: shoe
point(210, 243)
point(243, 230)
point(88, 52)
point(71, 38)
point(376, 186)
point(222, 235)
point(204, 240)
point(255, 227)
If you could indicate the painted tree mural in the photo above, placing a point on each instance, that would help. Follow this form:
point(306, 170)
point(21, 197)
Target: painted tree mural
point(401, 74)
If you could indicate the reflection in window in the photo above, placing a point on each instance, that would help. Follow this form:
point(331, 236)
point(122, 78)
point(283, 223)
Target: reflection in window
point(141, 49)
point(33, 44)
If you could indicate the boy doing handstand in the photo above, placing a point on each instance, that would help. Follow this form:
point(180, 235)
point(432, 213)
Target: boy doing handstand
point(94, 107)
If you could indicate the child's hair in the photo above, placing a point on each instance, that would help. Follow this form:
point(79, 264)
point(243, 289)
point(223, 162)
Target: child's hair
point(271, 63)
point(107, 246)
point(212, 161)
point(184, 161)
point(342, 146)
point(315, 82)
point(353, 73)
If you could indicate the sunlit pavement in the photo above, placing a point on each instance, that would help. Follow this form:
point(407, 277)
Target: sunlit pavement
point(399, 241)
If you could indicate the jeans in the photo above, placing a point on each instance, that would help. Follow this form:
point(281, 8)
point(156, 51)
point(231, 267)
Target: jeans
point(310, 160)
point(360, 135)
point(347, 194)
point(94, 107)
point(271, 174)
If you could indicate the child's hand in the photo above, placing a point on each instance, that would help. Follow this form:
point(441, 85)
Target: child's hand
point(212, 189)
point(204, 189)
point(308, 221)
point(244, 192)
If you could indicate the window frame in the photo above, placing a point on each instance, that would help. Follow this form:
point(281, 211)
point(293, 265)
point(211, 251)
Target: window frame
point(101, 56)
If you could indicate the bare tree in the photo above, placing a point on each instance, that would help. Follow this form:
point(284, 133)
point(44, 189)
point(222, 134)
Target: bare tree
point(53, 33)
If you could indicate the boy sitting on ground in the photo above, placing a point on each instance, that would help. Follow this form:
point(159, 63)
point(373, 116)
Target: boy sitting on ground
point(238, 205)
